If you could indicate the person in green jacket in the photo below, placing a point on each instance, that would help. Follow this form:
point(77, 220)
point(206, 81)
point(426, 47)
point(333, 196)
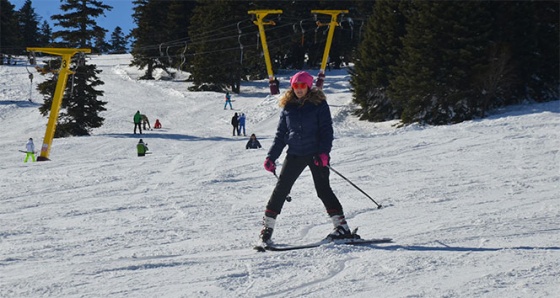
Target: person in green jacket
point(141, 148)
point(137, 121)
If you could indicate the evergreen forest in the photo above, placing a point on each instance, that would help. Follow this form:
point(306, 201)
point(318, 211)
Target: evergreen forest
point(427, 62)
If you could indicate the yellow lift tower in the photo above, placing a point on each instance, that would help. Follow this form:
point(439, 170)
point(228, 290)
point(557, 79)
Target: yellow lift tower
point(333, 23)
point(261, 14)
point(66, 55)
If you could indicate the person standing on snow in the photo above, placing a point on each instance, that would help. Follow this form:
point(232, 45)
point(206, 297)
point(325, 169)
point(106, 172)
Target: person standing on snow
point(305, 126)
point(145, 121)
point(241, 125)
point(29, 150)
point(235, 124)
point(137, 121)
point(228, 101)
point(141, 148)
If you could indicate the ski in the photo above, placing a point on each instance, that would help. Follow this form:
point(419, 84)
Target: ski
point(286, 247)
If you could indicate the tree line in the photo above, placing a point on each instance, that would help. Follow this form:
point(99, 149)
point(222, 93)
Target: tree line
point(22, 28)
point(445, 62)
point(433, 62)
point(218, 43)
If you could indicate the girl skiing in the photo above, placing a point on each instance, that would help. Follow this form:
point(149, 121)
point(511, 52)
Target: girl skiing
point(305, 126)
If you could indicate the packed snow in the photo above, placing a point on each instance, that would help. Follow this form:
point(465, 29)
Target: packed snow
point(473, 208)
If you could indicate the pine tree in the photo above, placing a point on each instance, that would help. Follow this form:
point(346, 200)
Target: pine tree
point(345, 38)
point(10, 40)
point(100, 44)
point(444, 44)
point(546, 59)
point(118, 42)
point(29, 25)
point(530, 30)
point(45, 35)
point(80, 27)
point(148, 49)
point(178, 20)
point(80, 107)
point(376, 55)
point(214, 36)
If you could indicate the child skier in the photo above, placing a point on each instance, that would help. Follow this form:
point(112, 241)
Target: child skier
point(142, 148)
point(157, 125)
point(228, 101)
point(29, 150)
point(305, 126)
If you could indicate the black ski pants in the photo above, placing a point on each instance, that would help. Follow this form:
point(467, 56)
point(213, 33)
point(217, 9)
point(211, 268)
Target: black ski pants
point(291, 169)
point(139, 127)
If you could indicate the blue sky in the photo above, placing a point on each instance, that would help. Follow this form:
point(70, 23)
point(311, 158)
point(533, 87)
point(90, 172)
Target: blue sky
point(120, 15)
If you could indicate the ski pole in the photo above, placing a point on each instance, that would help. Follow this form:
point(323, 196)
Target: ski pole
point(288, 198)
point(378, 205)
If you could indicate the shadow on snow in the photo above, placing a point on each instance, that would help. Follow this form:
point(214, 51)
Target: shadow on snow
point(172, 136)
point(19, 103)
point(461, 249)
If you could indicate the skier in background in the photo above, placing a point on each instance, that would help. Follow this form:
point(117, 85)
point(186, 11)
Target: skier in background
point(228, 101)
point(137, 122)
point(145, 121)
point(235, 124)
point(29, 150)
point(241, 125)
point(157, 125)
point(142, 148)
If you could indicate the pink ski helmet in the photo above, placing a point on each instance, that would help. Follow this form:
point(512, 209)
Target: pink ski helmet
point(304, 77)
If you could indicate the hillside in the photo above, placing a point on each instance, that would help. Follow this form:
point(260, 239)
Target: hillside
point(473, 207)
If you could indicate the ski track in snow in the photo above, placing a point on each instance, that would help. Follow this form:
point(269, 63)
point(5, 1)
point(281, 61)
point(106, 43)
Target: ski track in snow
point(473, 207)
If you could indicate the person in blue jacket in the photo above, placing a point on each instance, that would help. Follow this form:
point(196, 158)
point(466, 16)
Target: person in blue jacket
point(305, 127)
point(241, 125)
point(228, 101)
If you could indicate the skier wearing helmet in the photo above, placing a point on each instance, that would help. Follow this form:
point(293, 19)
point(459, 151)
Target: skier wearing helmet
point(305, 127)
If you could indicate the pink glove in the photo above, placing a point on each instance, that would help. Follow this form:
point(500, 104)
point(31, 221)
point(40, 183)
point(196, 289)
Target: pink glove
point(269, 165)
point(322, 160)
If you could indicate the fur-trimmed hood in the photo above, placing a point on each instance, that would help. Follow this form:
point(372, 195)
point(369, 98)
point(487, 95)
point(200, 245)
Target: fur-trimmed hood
point(315, 96)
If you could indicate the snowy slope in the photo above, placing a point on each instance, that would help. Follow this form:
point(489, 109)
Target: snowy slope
point(474, 208)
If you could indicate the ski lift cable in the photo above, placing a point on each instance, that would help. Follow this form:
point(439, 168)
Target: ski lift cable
point(219, 31)
point(184, 45)
point(221, 50)
point(200, 39)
